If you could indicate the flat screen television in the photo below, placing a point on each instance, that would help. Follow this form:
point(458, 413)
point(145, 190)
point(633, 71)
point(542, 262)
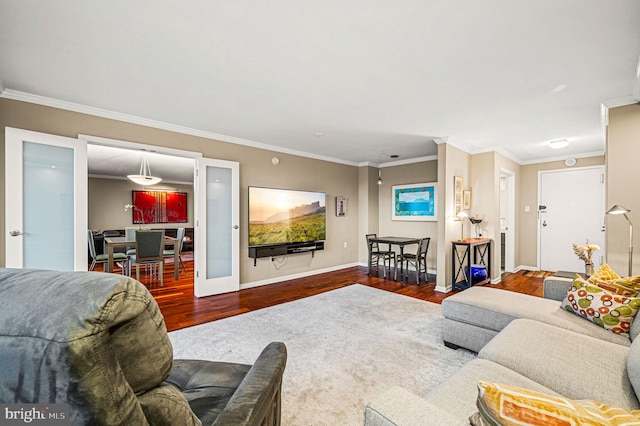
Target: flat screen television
point(285, 216)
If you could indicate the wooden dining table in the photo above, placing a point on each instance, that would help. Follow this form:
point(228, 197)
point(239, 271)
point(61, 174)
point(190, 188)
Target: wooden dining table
point(113, 242)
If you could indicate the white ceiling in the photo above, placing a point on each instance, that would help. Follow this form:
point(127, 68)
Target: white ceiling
point(113, 162)
point(376, 77)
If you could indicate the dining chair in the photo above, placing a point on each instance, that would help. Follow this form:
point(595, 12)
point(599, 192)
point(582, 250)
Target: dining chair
point(417, 259)
point(375, 254)
point(130, 235)
point(149, 246)
point(171, 253)
point(104, 258)
point(111, 233)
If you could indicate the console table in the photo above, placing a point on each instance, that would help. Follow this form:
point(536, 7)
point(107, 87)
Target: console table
point(462, 252)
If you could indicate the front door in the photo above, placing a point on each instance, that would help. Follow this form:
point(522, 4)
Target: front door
point(571, 210)
point(45, 201)
point(217, 208)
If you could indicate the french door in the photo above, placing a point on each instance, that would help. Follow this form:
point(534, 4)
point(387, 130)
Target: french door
point(46, 201)
point(217, 207)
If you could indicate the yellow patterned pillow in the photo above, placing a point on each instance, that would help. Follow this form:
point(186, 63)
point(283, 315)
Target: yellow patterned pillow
point(620, 287)
point(510, 406)
point(604, 273)
point(606, 278)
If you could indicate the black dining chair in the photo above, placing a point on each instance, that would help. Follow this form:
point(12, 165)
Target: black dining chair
point(417, 259)
point(149, 246)
point(375, 255)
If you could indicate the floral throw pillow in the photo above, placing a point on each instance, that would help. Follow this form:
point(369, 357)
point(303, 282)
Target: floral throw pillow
point(609, 310)
point(509, 406)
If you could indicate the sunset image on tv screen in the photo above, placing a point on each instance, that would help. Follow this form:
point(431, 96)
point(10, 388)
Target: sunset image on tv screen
point(279, 216)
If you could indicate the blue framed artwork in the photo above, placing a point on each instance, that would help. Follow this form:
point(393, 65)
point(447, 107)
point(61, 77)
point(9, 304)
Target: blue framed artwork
point(416, 201)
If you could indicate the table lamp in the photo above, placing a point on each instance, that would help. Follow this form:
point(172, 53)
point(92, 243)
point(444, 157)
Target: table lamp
point(623, 211)
point(462, 214)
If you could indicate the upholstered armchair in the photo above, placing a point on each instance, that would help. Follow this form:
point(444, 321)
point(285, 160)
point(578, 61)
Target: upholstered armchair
point(98, 342)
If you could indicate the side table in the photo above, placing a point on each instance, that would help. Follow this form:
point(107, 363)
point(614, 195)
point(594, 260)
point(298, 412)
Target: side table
point(462, 252)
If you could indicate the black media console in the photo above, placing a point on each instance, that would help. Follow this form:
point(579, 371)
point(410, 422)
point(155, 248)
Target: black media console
point(284, 249)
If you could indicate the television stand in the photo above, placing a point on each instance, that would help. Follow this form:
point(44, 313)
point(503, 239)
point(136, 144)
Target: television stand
point(284, 249)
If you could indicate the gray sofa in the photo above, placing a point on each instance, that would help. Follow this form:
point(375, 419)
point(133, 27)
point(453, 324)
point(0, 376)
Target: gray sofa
point(97, 344)
point(523, 341)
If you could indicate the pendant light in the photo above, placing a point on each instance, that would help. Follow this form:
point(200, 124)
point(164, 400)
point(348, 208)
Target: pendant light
point(144, 178)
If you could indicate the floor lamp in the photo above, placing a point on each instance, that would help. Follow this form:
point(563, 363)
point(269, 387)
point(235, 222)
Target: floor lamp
point(623, 211)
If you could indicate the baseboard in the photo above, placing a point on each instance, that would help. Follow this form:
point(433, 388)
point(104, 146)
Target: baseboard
point(526, 268)
point(294, 276)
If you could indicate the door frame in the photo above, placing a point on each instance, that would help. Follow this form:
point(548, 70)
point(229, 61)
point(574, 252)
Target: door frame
point(135, 146)
point(510, 237)
point(601, 168)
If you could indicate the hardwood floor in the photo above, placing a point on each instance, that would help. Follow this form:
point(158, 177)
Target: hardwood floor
point(182, 309)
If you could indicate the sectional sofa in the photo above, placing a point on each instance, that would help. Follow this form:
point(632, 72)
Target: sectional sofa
point(523, 341)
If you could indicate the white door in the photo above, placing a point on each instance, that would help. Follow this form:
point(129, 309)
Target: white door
point(570, 210)
point(217, 207)
point(46, 201)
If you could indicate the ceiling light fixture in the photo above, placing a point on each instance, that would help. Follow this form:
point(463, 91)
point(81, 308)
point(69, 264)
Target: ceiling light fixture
point(389, 155)
point(144, 178)
point(560, 143)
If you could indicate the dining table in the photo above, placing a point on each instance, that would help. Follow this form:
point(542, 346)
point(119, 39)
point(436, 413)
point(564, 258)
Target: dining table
point(114, 242)
point(401, 242)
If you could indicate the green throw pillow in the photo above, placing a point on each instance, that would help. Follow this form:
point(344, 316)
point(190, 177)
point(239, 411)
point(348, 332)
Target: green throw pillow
point(609, 310)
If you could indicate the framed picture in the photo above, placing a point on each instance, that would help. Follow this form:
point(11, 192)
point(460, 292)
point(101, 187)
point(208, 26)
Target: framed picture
point(466, 200)
point(159, 207)
point(417, 202)
point(341, 206)
point(458, 183)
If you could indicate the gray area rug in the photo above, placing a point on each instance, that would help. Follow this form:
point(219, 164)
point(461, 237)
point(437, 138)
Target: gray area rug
point(344, 347)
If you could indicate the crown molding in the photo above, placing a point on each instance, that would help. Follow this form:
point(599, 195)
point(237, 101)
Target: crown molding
point(99, 112)
point(636, 84)
point(619, 102)
point(398, 162)
point(70, 106)
point(563, 157)
point(409, 161)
